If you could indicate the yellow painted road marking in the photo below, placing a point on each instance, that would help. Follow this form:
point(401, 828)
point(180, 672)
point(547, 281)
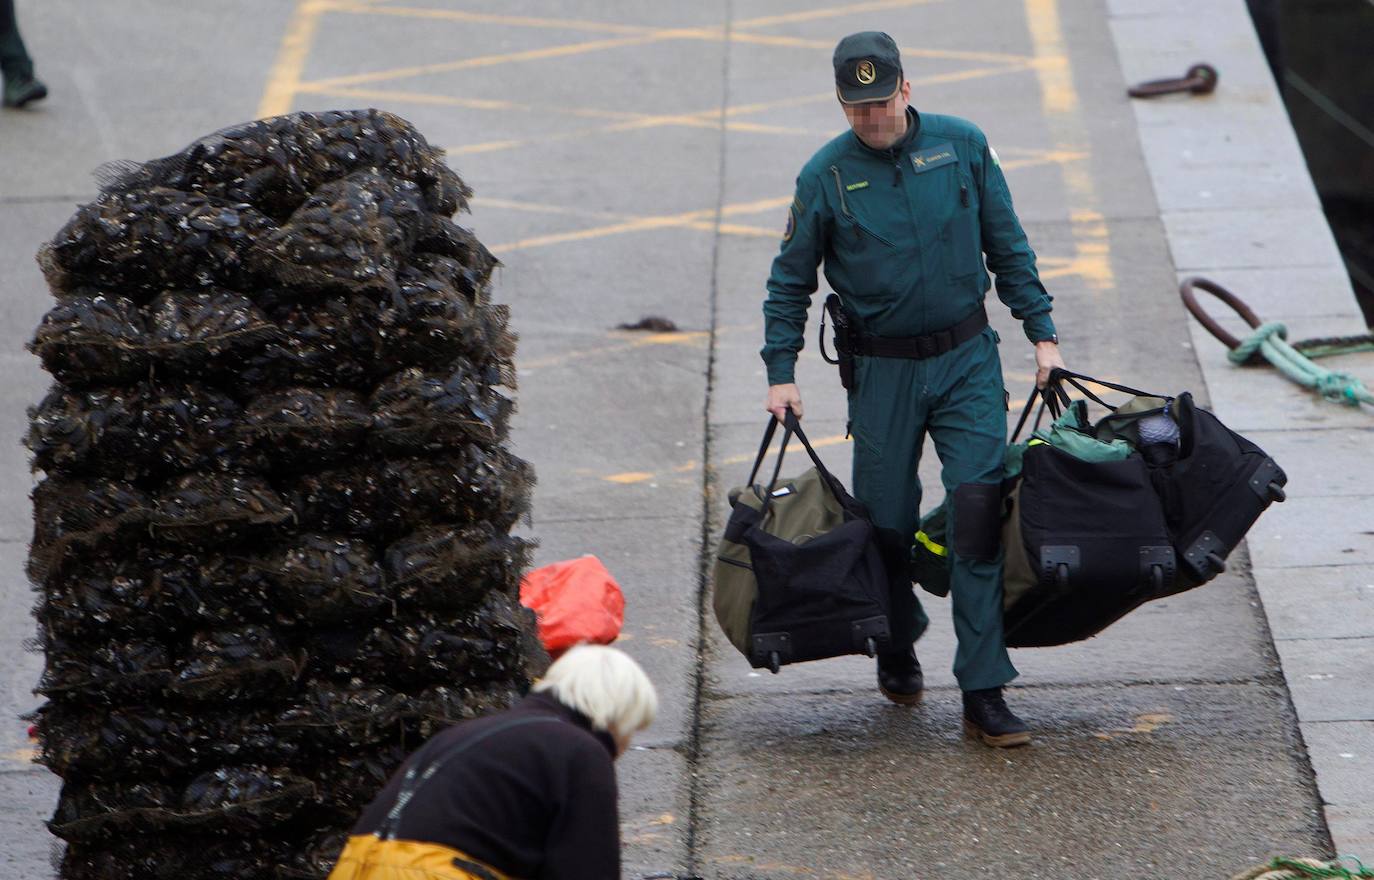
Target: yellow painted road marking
point(562, 24)
point(711, 118)
point(284, 80)
point(1059, 98)
point(1036, 157)
point(690, 219)
point(560, 51)
point(828, 12)
point(690, 338)
point(631, 477)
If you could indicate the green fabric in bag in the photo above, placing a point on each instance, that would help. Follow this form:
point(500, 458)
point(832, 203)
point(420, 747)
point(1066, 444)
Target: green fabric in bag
point(1070, 433)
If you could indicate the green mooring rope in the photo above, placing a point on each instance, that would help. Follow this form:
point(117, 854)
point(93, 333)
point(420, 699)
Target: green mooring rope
point(1307, 869)
point(1271, 341)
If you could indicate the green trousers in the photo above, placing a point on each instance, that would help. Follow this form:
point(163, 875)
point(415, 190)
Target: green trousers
point(14, 58)
point(957, 398)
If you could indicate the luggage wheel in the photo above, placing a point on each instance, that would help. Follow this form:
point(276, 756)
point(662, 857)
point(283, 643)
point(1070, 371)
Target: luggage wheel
point(1217, 564)
point(1276, 492)
point(1157, 577)
point(871, 646)
point(774, 662)
point(1061, 574)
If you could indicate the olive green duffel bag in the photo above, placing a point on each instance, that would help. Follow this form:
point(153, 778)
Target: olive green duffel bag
point(824, 587)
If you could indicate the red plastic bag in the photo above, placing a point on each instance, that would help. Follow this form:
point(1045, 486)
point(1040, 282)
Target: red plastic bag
point(576, 601)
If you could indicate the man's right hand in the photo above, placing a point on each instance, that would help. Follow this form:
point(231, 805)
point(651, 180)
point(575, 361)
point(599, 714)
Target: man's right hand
point(780, 397)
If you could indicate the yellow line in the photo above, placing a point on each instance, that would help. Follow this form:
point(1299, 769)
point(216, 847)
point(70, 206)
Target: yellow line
point(632, 477)
point(717, 34)
point(643, 224)
point(562, 24)
point(1062, 110)
point(1046, 157)
point(540, 208)
point(705, 225)
point(711, 118)
point(829, 12)
point(284, 80)
point(469, 103)
point(690, 338)
point(1057, 91)
point(491, 60)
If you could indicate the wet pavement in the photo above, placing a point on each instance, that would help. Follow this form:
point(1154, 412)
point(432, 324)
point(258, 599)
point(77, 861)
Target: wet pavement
point(631, 160)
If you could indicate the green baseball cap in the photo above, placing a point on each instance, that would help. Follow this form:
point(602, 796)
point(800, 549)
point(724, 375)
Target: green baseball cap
point(868, 68)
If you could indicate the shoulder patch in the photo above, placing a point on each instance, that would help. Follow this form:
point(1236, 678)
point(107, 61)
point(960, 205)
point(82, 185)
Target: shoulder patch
point(791, 226)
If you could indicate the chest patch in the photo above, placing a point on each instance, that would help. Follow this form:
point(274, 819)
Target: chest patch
point(933, 157)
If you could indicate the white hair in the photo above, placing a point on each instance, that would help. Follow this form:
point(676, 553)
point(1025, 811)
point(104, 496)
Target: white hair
point(605, 685)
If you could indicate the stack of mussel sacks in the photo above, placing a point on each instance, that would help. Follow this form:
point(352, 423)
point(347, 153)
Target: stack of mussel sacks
point(272, 542)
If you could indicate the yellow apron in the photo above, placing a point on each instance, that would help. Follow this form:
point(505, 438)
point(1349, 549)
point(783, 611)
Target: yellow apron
point(367, 857)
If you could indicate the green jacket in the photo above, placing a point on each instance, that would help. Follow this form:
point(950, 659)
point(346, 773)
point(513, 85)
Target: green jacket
point(902, 233)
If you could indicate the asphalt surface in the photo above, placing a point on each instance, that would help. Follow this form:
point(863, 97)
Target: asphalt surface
point(633, 160)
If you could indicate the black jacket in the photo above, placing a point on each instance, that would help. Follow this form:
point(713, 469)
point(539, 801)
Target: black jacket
point(535, 801)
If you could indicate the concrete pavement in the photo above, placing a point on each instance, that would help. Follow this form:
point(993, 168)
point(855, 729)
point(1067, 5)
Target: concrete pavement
point(632, 160)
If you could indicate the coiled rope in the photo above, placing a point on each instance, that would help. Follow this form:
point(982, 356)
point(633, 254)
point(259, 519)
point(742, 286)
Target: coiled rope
point(1307, 869)
point(1269, 342)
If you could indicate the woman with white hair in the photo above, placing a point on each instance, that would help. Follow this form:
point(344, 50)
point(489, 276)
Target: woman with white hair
point(528, 793)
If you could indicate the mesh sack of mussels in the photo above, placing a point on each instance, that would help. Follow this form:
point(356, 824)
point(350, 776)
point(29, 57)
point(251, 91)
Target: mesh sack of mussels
point(272, 544)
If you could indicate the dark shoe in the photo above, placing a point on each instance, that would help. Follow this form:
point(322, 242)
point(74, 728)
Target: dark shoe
point(20, 91)
point(987, 718)
point(900, 678)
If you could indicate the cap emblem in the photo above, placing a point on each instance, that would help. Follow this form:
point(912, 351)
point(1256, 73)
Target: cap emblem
point(865, 73)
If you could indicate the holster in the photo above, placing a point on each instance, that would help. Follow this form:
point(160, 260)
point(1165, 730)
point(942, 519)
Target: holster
point(843, 340)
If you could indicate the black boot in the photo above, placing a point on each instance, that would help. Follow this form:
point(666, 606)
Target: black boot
point(900, 678)
point(20, 90)
point(987, 718)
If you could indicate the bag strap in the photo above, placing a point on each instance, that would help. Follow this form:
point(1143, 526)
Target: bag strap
point(1073, 379)
point(793, 426)
point(415, 777)
point(1056, 399)
point(1053, 397)
point(768, 433)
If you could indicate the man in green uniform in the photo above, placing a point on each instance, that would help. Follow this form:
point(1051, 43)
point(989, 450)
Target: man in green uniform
point(902, 209)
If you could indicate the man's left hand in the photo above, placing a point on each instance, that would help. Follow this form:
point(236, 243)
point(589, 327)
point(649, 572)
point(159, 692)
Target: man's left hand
point(1047, 358)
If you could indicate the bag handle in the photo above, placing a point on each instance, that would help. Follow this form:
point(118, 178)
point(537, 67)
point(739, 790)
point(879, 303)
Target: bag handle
point(792, 425)
point(1073, 379)
point(1056, 398)
point(415, 778)
point(768, 433)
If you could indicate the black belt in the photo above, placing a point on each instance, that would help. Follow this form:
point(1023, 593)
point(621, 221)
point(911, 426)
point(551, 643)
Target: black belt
point(922, 347)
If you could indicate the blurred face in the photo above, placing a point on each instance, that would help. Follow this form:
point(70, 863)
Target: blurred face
point(879, 125)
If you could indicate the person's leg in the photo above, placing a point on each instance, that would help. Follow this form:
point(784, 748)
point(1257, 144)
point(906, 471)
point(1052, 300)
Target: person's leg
point(14, 59)
point(886, 414)
point(968, 424)
point(969, 427)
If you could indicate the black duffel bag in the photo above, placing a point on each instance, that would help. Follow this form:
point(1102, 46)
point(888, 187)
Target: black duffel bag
point(1213, 483)
point(818, 580)
point(1101, 538)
